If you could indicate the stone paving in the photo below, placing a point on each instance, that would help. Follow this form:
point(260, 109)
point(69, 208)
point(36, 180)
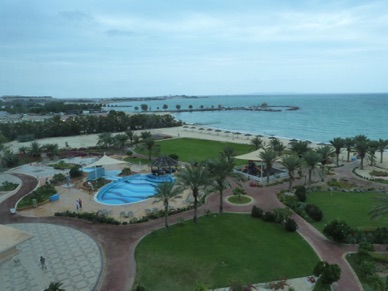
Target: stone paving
point(72, 258)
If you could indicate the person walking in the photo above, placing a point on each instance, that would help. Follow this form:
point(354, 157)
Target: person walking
point(76, 204)
point(43, 263)
point(80, 203)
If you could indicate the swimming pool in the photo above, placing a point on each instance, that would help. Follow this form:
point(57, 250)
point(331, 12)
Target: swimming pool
point(131, 189)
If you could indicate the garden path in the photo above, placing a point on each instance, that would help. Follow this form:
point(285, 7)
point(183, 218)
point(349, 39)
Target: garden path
point(118, 242)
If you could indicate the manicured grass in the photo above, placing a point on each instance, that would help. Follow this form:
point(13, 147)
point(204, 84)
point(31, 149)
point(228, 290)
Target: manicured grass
point(137, 161)
point(220, 250)
point(191, 150)
point(236, 200)
point(351, 207)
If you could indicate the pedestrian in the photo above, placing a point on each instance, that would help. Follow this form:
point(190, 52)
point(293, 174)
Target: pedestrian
point(77, 204)
point(43, 263)
point(80, 203)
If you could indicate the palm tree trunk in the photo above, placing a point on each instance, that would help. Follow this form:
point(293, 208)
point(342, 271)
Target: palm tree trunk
point(290, 183)
point(381, 157)
point(166, 215)
point(195, 220)
point(310, 173)
point(348, 156)
point(337, 160)
point(362, 163)
point(268, 173)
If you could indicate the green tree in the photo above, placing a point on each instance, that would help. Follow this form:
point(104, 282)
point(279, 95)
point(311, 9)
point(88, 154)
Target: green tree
point(239, 192)
point(227, 152)
point(291, 163)
point(151, 146)
point(382, 146)
point(300, 148)
point(277, 146)
point(221, 170)
point(256, 143)
point(349, 144)
point(326, 153)
point(35, 149)
point(131, 136)
point(51, 149)
point(145, 135)
point(373, 147)
point(165, 106)
point(178, 107)
point(268, 156)
point(120, 140)
point(55, 286)
point(105, 139)
point(166, 192)
point(311, 159)
point(338, 143)
point(190, 107)
point(197, 179)
point(144, 107)
point(361, 145)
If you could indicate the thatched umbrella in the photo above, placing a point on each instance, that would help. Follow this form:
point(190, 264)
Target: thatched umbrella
point(164, 162)
point(218, 131)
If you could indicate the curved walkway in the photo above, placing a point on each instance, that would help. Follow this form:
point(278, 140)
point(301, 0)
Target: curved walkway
point(118, 242)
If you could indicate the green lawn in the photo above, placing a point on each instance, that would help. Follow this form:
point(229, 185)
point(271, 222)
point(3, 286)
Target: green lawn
point(220, 250)
point(190, 150)
point(351, 207)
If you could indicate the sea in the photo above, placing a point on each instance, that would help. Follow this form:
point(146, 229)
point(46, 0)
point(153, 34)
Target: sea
point(320, 118)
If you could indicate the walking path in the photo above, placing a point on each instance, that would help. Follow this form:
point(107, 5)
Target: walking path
point(117, 243)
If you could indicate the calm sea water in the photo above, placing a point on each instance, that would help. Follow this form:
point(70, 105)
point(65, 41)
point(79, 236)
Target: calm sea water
point(320, 118)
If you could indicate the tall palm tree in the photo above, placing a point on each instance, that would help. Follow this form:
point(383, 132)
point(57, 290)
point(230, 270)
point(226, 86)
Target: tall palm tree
point(291, 163)
point(35, 149)
point(220, 170)
point(105, 139)
point(338, 143)
point(131, 136)
point(268, 156)
point(326, 152)
point(277, 146)
point(349, 144)
point(300, 148)
point(361, 144)
point(196, 178)
point(311, 159)
point(145, 135)
point(151, 146)
point(166, 192)
point(373, 147)
point(256, 143)
point(51, 149)
point(382, 146)
point(227, 152)
point(120, 140)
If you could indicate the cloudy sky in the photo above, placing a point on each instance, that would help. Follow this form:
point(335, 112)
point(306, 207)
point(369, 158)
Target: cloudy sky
point(72, 48)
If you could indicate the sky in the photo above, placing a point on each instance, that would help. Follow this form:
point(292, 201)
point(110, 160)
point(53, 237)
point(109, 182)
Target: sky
point(125, 48)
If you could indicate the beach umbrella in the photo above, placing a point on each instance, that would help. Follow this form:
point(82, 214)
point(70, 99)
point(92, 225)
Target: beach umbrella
point(321, 144)
point(218, 131)
point(272, 137)
point(293, 140)
point(259, 135)
point(201, 128)
point(209, 129)
point(185, 126)
point(227, 132)
point(247, 135)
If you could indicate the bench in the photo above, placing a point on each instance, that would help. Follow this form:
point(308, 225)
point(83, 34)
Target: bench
point(54, 197)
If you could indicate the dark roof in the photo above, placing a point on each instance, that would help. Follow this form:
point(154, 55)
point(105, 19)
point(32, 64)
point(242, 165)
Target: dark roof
point(164, 162)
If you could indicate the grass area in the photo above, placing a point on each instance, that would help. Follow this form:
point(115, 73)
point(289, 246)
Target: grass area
point(351, 207)
point(137, 161)
point(241, 200)
point(220, 250)
point(190, 150)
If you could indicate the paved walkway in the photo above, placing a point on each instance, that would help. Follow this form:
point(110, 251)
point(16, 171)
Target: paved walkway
point(118, 242)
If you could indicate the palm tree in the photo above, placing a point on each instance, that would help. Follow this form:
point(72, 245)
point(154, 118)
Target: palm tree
point(326, 152)
point(195, 178)
point(291, 163)
point(120, 140)
point(256, 143)
point(131, 136)
point(338, 143)
point(381, 207)
point(373, 146)
point(311, 159)
point(151, 146)
point(268, 156)
point(145, 135)
point(349, 144)
point(382, 146)
point(300, 148)
point(35, 149)
point(277, 146)
point(361, 144)
point(220, 170)
point(166, 192)
point(55, 286)
point(51, 149)
point(105, 139)
point(227, 152)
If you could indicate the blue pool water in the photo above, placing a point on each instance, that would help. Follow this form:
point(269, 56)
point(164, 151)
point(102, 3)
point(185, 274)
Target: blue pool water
point(131, 189)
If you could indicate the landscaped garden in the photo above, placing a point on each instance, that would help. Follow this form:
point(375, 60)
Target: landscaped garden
point(220, 251)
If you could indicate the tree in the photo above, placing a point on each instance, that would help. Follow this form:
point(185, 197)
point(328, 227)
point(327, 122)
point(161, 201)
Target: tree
point(277, 146)
point(373, 146)
point(105, 139)
point(165, 106)
point(328, 273)
point(239, 192)
point(311, 159)
point(326, 152)
point(291, 163)
point(227, 152)
point(338, 143)
point(151, 146)
point(145, 135)
point(51, 149)
point(120, 140)
point(178, 107)
point(268, 156)
point(55, 286)
point(256, 143)
point(196, 178)
point(361, 144)
point(35, 149)
point(382, 146)
point(190, 107)
point(144, 107)
point(166, 193)
point(300, 148)
point(220, 170)
point(349, 143)
point(131, 136)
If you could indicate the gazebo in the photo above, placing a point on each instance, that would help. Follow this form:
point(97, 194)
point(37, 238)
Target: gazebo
point(98, 166)
point(164, 165)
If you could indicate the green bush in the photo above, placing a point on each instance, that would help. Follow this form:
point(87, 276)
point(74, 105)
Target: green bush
point(126, 172)
point(300, 192)
point(75, 171)
point(41, 194)
point(367, 246)
point(338, 230)
point(269, 216)
point(58, 178)
point(256, 212)
point(291, 225)
point(174, 156)
point(8, 186)
point(25, 138)
point(328, 273)
point(314, 212)
point(282, 214)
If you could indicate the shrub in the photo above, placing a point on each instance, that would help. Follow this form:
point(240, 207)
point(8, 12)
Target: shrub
point(58, 178)
point(367, 246)
point(8, 186)
point(300, 192)
point(328, 273)
point(75, 171)
point(380, 235)
point(25, 138)
point(129, 153)
point(282, 214)
point(126, 171)
point(314, 212)
point(256, 212)
point(337, 230)
point(174, 156)
point(367, 267)
point(291, 225)
point(269, 216)
point(41, 194)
